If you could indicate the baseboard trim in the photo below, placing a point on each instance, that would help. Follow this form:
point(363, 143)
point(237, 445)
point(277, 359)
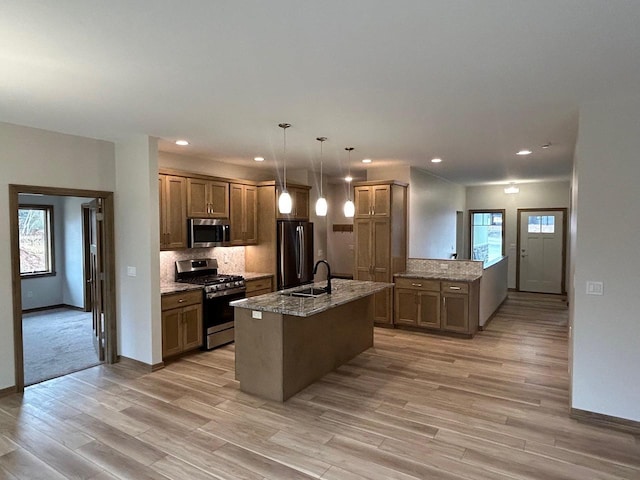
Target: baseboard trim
point(7, 391)
point(137, 364)
point(617, 423)
point(53, 307)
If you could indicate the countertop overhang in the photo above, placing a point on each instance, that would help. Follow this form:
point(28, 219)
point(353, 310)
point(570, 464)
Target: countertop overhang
point(342, 292)
point(447, 277)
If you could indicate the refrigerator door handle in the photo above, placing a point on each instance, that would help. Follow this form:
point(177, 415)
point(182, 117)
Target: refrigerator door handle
point(281, 281)
point(300, 231)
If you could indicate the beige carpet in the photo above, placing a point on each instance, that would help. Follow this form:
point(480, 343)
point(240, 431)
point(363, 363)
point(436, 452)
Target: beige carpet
point(56, 342)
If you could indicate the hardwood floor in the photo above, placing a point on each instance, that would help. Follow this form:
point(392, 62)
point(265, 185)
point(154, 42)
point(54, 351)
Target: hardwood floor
point(414, 407)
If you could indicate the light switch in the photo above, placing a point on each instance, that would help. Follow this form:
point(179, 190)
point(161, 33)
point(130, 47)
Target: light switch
point(131, 271)
point(595, 288)
point(256, 314)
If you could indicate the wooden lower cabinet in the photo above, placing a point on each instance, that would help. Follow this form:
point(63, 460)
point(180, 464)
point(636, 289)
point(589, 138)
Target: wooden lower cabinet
point(258, 286)
point(181, 322)
point(436, 305)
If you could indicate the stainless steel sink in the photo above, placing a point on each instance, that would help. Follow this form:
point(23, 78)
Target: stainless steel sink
point(306, 292)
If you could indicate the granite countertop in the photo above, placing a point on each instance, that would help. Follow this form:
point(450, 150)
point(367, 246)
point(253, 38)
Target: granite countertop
point(444, 276)
point(342, 291)
point(256, 275)
point(167, 288)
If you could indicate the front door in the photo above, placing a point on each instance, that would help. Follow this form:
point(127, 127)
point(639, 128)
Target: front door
point(96, 278)
point(541, 240)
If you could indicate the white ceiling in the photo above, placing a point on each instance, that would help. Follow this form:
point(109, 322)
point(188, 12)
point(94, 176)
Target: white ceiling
point(471, 81)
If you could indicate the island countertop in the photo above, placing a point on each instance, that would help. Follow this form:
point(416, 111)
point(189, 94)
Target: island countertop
point(342, 292)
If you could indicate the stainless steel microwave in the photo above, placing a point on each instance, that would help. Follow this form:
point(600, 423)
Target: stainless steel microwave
point(208, 232)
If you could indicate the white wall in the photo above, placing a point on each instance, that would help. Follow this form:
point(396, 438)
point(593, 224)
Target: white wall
point(73, 281)
point(493, 289)
point(606, 329)
point(432, 216)
point(136, 229)
point(214, 168)
point(47, 291)
point(30, 156)
point(531, 195)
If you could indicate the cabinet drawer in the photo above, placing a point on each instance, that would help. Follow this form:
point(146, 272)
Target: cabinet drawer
point(181, 299)
point(455, 287)
point(262, 284)
point(418, 283)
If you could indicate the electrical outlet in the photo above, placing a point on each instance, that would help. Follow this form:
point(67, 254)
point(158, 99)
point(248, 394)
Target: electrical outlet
point(595, 288)
point(30, 294)
point(320, 252)
point(444, 266)
point(131, 271)
point(256, 314)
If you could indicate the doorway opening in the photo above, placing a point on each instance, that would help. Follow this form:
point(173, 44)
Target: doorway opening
point(541, 247)
point(62, 252)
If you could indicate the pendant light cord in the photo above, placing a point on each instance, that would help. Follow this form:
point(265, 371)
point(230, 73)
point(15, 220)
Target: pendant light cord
point(348, 149)
point(284, 127)
point(321, 140)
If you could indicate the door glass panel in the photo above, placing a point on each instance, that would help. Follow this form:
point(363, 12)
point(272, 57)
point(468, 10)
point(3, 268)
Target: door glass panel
point(486, 236)
point(541, 224)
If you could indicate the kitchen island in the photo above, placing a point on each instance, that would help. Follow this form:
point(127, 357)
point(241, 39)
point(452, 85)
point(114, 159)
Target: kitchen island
point(284, 343)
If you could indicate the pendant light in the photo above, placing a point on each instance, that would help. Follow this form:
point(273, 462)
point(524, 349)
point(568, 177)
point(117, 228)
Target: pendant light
point(321, 203)
point(284, 201)
point(349, 207)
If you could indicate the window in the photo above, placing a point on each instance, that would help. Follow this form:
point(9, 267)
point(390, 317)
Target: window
point(36, 240)
point(541, 224)
point(487, 235)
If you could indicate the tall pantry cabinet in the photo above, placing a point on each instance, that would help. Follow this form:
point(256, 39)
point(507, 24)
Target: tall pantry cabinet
point(380, 228)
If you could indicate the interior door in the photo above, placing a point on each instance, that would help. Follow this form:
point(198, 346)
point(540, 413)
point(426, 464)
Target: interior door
point(96, 278)
point(541, 259)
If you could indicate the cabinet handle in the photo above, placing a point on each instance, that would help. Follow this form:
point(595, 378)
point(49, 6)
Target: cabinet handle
point(181, 300)
point(454, 288)
point(416, 284)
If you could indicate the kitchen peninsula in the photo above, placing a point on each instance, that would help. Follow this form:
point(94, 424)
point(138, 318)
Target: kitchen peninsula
point(284, 343)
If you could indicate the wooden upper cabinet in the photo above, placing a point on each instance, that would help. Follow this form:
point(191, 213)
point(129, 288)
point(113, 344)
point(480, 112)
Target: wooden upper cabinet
point(300, 203)
point(372, 201)
point(173, 212)
point(207, 198)
point(243, 218)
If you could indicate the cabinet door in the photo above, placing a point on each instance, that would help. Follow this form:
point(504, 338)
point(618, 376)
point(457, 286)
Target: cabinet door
point(381, 200)
point(191, 327)
point(362, 200)
point(381, 253)
point(197, 198)
point(364, 260)
point(301, 203)
point(251, 215)
point(237, 217)
point(175, 206)
point(429, 309)
point(455, 312)
point(218, 199)
point(163, 221)
point(171, 332)
point(406, 306)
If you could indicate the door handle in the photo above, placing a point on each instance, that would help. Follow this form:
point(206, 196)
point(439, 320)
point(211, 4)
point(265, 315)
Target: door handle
point(416, 284)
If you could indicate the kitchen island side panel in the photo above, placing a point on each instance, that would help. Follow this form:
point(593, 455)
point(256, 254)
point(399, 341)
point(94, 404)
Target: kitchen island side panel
point(259, 353)
point(317, 345)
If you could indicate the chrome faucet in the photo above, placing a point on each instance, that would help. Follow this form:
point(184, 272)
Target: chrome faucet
point(315, 270)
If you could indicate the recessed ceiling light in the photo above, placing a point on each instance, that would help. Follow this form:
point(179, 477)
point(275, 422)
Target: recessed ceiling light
point(259, 159)
point(182, 143)
point(366, 160)
point(436, 160)
point(524, 152)
point(348, 178)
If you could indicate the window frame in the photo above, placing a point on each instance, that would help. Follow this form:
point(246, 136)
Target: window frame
point(489, 211)
point(51, 271)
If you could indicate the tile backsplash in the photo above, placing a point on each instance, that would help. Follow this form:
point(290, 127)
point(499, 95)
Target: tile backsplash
point(230, 260)
point(463, 267)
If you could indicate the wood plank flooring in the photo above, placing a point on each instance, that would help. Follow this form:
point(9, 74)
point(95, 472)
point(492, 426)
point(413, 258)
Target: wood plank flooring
point(413, 407)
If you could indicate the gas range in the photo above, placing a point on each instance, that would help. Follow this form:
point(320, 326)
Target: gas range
point(205, 272)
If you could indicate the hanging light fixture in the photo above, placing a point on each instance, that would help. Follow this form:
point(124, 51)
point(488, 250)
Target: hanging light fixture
point(321, 203)
point(284, 201)
point(349, 208)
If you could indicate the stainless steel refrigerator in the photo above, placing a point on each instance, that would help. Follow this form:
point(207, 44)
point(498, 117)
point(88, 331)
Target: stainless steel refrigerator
point(295, 253)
